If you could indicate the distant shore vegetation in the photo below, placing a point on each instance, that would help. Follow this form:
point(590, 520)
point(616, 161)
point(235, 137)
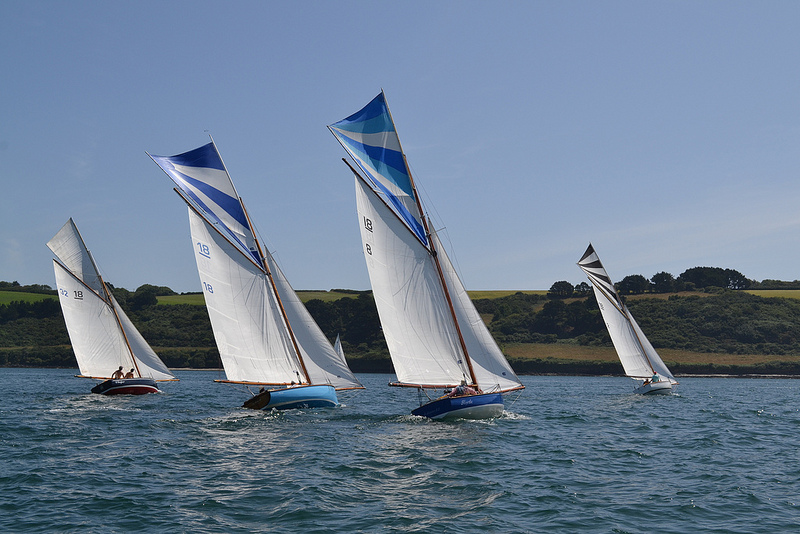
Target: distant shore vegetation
point(707, 320)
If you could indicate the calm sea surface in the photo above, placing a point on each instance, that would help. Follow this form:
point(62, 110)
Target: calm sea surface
point(570, 455)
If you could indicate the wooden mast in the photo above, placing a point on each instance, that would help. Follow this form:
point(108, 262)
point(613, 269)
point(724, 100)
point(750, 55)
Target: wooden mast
point(433, 250)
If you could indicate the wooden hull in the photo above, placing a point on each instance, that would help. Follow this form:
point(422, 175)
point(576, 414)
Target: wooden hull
point(320, 396)
point(126, 386)
point(484, 406)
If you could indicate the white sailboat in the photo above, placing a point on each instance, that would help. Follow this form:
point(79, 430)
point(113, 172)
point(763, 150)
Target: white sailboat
point(639, 359)
point(265, 336)
point(436, 337)
point(105, 342)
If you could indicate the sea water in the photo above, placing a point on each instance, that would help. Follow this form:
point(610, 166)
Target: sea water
point(570, 454)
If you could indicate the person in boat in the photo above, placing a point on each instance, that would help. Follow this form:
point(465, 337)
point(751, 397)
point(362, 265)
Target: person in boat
point(129, 374)
point(462, 390)
point(117, 374)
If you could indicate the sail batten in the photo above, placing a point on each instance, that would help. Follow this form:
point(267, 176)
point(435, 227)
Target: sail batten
point(638, 357)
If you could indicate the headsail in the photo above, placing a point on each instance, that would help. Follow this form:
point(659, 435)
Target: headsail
point(428, 320)
point(102, 336)
point(263, 331)
point(637, 355)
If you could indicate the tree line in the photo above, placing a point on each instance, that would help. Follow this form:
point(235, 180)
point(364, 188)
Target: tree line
point(696, 278)
point(719, 319)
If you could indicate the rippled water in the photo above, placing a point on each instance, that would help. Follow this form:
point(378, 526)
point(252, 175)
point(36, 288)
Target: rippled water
point(570, 455)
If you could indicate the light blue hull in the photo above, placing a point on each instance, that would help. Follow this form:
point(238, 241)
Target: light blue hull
point(323, 396)
point(484, 406)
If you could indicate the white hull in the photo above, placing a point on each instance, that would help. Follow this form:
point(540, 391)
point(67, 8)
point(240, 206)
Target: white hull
point(658, 388)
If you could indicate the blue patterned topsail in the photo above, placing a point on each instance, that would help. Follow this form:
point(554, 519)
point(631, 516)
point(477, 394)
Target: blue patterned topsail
point(369, 136)
point(202, 177)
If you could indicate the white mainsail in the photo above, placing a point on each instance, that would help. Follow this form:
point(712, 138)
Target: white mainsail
point(637, 355)
point(435, 335)
point(103, 338)
point(263, 332)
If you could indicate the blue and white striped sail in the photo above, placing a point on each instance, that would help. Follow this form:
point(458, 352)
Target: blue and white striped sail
point(370, 137)
point(202, 177)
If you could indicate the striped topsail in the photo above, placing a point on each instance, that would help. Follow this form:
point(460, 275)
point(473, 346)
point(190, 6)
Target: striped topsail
point(638, 357)
point(202, 177)
point(370, 137)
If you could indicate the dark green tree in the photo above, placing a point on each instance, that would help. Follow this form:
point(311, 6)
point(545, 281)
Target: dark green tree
point(663, 282)
point(561, 290)
point(633, 284)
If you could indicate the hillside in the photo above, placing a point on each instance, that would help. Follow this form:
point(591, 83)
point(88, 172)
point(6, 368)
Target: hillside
point(715, 332)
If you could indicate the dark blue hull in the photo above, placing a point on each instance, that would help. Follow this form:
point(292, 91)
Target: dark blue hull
point(323, 396)
point(484, 406)
point(126, 386)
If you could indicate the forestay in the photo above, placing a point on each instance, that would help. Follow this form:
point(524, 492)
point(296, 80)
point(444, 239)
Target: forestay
point(637, 355)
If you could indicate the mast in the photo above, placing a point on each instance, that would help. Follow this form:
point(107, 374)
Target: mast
point(435, 255)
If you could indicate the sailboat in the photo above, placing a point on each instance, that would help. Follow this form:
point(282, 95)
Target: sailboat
point(266, 338)
point(638, 357)
point(104, 340)
point(436, 338)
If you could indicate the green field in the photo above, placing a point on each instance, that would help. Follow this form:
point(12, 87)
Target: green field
point(785, 293)
point(11, 296)
point(305, 296)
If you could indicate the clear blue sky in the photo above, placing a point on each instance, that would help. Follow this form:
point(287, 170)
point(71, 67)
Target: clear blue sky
point(666, 133)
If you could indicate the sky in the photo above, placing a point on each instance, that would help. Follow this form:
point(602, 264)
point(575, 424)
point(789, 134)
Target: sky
point(664, 133)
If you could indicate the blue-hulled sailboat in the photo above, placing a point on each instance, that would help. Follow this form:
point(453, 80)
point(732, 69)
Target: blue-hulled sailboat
point(436, 338)
point(266, 338)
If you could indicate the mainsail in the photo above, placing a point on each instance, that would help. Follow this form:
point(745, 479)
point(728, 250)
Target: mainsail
point(638, 357)
point(103, 337)
point(264, 333)
point(435, 335)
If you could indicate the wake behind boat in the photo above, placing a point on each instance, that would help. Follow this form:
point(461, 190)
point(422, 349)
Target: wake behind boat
point(436, 337)
point(638, 357)
point(266, 338)
point(103, 338)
